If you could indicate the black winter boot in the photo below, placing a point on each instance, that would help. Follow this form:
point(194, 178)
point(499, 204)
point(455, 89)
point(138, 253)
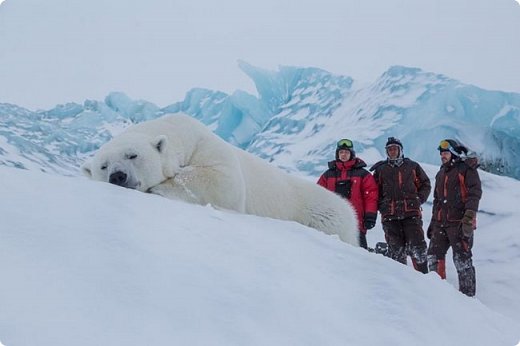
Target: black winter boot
point(420, 267)
point(397, 253)
point(466, 271)
point(468, 281)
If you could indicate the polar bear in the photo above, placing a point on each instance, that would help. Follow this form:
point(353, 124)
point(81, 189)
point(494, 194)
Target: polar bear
point(178, 157)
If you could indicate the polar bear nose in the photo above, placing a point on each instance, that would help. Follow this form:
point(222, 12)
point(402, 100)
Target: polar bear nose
point(118, 178)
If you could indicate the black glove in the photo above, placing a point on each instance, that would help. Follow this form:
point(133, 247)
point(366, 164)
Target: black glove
point(467, 223)
point(369, 221)
point(429, 232)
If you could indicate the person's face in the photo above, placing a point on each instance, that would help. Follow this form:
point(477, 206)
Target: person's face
point(393, 152)
point(344, 155)
point(445, 156)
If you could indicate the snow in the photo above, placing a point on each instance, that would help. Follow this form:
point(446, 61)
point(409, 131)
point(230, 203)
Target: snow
point(88, 263)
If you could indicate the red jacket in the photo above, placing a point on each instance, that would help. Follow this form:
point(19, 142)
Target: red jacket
point(350, 180)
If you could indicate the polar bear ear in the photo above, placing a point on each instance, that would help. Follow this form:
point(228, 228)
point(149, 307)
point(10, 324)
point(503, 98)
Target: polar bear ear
point(85, 168)
point(160, 143)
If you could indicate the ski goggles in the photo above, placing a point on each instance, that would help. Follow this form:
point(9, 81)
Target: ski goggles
point(345, 144)
point(444, 145)
point(447, 145)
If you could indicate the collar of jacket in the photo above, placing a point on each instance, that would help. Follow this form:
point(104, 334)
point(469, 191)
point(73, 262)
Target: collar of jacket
point(395, 163)
point(348, 165)
point(448, 165)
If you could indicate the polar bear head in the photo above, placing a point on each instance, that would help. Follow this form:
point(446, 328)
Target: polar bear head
point(132, 160)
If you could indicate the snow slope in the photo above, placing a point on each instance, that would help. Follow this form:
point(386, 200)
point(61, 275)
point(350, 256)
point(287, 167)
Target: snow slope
point(87, 263)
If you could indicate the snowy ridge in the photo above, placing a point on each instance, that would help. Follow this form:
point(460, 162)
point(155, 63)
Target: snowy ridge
point(294, 122)
point(111, 266)
point(418, 107)
point(58, 140)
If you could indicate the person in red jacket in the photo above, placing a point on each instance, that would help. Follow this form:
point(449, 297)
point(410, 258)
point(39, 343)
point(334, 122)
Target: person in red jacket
point(347, 177)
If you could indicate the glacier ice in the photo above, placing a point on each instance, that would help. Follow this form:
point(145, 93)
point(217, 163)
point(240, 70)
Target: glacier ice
point(294, 121)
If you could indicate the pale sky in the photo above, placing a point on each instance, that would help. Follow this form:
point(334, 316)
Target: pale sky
point(58, 51)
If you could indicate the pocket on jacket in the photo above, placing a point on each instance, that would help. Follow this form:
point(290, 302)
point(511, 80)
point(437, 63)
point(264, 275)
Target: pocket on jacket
point(412, 204)
point(344, 188)
point(455, 215)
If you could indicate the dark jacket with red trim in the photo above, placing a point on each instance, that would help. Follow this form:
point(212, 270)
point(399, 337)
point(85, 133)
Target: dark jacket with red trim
point(457, 188)
point(352, 181)
point(402, 189)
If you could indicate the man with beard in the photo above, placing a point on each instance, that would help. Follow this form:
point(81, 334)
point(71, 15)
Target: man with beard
point(456, 198)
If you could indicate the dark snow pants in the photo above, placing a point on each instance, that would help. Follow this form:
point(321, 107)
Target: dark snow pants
point(363, 240)
point(441, 240)
point(406, 237)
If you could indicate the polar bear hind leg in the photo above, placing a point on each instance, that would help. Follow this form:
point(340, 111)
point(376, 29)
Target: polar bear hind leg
point(331, 214)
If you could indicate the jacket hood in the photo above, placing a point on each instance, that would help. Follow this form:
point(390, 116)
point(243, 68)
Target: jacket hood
point(471, 162)
point(350, 164)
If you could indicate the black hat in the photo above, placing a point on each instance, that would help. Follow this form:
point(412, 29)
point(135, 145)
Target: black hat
point(393, 141)
point(451, 145)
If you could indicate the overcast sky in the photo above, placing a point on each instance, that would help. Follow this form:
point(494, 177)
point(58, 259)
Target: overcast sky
point(56, 51)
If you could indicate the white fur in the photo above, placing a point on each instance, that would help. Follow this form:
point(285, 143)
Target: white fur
point(179, 158)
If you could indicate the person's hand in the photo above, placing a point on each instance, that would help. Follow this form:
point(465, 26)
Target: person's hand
point(467, 223)
point(369, 221)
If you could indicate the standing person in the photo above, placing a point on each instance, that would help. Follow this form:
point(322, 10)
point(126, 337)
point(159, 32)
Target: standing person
point(347, 177)
point(403, 187)
point(456, 198)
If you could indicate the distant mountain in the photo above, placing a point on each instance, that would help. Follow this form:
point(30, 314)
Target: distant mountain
point(418, 107)
point(294, 121)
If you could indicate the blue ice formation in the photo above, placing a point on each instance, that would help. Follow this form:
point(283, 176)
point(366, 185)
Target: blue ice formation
point(294, 121)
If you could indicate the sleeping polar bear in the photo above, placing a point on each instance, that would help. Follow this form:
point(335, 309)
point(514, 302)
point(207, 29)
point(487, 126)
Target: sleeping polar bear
point(177, 157)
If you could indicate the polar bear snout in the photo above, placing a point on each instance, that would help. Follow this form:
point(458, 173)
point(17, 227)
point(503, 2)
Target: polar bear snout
point(118, 178)
point(122, 179)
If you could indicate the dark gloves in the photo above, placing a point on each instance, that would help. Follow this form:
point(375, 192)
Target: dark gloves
point(467, 224)
point(369, 221)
